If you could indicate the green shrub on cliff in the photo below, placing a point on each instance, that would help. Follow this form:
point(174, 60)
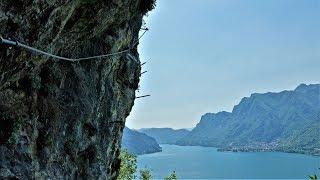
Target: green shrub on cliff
point(128, 165)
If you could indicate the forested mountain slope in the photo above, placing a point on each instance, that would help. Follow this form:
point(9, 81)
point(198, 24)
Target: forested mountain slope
point(285, 121)
point(139, 143)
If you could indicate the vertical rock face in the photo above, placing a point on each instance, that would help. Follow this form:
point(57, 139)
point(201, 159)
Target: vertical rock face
point(64, 120)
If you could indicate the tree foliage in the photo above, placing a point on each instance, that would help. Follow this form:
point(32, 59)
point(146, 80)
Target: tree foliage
point(172, 176)
point(145, 174)
point(128, 168)
point(128, 165)
point(314, 177)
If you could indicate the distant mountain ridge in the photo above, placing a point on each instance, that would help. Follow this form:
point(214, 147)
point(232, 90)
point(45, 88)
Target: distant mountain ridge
point(286, 121)
point(165, 135)
point(139, 143)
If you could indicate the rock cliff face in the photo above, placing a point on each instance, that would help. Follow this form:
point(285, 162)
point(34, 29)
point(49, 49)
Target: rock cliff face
point(64, 120)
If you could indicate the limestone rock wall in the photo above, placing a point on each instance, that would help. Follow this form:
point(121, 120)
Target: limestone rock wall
point(63, 120)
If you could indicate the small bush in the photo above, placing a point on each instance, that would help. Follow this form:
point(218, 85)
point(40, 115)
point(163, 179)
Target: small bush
point(172, 176)
point(314, 177)
point(145, 174)
point(128, 167)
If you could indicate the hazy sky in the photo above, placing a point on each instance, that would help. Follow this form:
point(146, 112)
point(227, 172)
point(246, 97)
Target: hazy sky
point(205, 55)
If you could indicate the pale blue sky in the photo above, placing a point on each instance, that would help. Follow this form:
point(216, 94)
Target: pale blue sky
point(205, 55)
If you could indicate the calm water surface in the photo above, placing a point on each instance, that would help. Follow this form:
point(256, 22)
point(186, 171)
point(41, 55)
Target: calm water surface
point(193, 162)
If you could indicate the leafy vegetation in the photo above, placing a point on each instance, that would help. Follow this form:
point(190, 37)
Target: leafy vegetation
point(128, 165)
point(172, 176)
point(145, 174)
point(314, 177)
point(128, 168)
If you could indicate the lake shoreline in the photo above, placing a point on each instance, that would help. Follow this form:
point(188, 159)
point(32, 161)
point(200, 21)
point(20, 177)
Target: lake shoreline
point(250, 149)
point(246, 149)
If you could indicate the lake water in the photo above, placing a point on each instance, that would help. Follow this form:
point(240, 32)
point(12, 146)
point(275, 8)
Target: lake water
point(193, 162)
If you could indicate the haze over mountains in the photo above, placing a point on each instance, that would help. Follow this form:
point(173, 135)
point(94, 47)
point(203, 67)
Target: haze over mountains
point(165, 135)
point(285, 121)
